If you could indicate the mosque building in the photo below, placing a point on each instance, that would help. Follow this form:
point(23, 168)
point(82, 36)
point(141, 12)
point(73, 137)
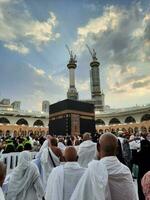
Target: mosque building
point(15, 120)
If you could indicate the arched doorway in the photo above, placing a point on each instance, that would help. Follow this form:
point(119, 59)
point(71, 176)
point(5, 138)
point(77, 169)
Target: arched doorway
point(99, 122)
point(38, 123)
point(22, 122)
point(114, 121)
point(4, 120)
point(130, 119)
point(145, 117)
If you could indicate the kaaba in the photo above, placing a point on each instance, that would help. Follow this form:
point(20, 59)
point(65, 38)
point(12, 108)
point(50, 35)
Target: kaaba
point(70, 117)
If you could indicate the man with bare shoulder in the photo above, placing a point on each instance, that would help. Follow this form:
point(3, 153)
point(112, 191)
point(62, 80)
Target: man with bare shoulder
point(55, 149)
point(50, 158)
point(64, 178)
point(106, 178)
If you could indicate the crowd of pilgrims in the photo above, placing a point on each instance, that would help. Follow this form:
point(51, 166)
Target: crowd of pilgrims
point(87, 167)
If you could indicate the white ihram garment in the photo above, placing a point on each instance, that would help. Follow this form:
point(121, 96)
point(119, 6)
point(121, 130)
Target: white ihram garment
point(63, 180)
point(120, 182)
point(135, 145)
point(1, 194)
point(87, 152)
point(47, 165)
point(25, 182)
point(93, 183)
point(61, 146)
point(37, 159)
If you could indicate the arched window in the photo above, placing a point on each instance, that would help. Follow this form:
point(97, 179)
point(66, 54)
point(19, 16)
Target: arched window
point(4, 120)
point(99, 122)
point(130, 119)
point(145, 117)
point(38, 123)
point(22, 122)
point(114, 121)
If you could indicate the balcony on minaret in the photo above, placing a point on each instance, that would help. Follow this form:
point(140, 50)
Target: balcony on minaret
point(71, 65)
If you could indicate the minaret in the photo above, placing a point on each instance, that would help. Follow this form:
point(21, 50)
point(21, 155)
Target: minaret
point(72, 92)
point(96, 93)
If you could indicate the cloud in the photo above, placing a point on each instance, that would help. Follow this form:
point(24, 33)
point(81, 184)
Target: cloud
point(127, 82)
point(42, 32)
point(83, 85)
point(38, 71)
point(61, 80)
point(20, 48)
point(33, 85)
point(52, 86)
point(141, 84)
point(17, 24)
point(126, 88)
point(121, 37)
point(97, 27)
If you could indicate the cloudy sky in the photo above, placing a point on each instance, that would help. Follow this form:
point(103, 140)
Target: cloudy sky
point(33, 57)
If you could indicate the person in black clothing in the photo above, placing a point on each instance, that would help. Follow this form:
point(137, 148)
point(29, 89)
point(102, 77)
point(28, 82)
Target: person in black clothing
point(119, 153)
point(142, 159)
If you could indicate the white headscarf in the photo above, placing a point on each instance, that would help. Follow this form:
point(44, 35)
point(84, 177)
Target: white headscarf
point(44, 145)
point(87, 152)
point(22, 177)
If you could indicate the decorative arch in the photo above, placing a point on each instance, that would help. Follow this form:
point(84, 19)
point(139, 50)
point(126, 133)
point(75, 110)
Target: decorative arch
point(4, 120)
point(99, 122)
point(145, 117)
point(38, 123)
point(22, 121)
point(130, 119)
point(114, 121)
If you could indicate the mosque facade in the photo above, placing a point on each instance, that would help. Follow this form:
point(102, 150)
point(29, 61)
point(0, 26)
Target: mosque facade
point(16, 120)
point(132, 119)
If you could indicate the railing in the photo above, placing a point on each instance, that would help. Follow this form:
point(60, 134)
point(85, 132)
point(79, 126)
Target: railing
point(11, 160)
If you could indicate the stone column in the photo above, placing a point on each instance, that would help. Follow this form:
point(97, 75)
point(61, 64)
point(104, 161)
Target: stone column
point(72, 92)
point(96, 94)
